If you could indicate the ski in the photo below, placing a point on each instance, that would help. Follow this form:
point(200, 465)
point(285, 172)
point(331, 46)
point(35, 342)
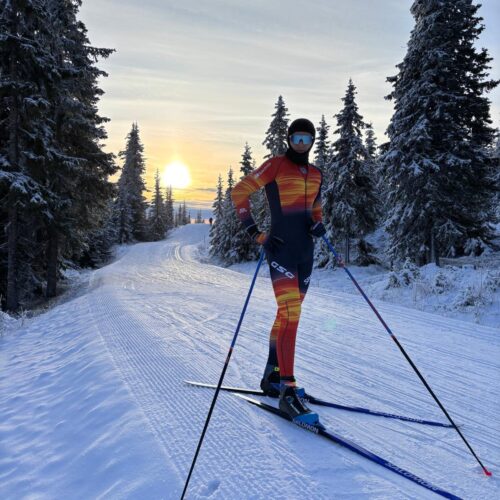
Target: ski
point(356, 448)
point(320, 402)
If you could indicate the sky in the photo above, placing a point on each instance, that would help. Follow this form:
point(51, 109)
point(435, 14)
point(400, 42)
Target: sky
point(201, 78)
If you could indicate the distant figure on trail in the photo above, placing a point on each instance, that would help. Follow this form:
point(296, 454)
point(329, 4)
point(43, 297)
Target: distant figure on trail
point(210, 220)
point(293, 190)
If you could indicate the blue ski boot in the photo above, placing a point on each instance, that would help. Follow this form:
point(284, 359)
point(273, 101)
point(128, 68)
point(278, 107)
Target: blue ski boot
point(270, 382)
point(293, 405)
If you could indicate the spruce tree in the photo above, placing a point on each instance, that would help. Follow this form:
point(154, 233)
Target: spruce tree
point(27, 69)
point(79, 175)
point(215, 234)
point(169, 209)
point(131, 205)
point(231, 225)
point(322, 152)
point(349, 203)
point(243, 248)
point(436, 166)
point(276, 135)
point(54, 182)
point(157, 219)
point(370, 141)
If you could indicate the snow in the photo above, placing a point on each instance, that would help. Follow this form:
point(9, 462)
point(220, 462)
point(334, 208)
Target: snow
point(93, 402)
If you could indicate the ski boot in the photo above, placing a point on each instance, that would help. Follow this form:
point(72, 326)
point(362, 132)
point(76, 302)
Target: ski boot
point(270, 382)
point(293, 405)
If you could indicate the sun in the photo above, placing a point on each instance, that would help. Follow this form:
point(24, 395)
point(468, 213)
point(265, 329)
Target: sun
point(176, 174)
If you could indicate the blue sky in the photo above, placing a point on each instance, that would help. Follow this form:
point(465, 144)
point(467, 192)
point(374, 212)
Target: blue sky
point(201, 78)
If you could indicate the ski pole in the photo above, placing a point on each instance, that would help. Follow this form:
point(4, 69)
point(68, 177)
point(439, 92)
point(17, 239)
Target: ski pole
point(405, 354)
point(226, 363)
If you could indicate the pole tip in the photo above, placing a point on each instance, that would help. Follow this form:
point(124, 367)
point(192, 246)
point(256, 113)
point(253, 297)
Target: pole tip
point(487, 472)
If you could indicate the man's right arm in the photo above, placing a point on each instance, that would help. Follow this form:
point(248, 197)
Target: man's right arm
point(250, 184)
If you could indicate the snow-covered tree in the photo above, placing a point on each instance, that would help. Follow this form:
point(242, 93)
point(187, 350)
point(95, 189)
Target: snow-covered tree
point(230, 226)
point(436, 167)
point(370, 141)
point(54, 182)
point(322, 152)
point(242, 247)
point(276, 135)
point(215, 235)
point(78, 176)
point(131, 204)
point(169, 208)
point(349, 202)
point(157, 220)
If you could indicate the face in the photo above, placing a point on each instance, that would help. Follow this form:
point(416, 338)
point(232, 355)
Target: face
point(301, 147)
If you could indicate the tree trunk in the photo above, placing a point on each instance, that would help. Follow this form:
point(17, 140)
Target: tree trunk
point(434, 250)
point(52, 253)
point(347, 249)
point(12, 299)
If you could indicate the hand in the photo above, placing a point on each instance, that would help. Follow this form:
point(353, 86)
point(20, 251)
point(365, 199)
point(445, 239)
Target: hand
point(269, 242)
point(318, 229)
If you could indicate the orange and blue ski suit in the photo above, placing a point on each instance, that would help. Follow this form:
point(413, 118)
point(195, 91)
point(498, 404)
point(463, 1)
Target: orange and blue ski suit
point(294, 195)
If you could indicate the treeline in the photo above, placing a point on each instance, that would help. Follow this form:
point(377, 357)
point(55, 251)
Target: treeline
point(433, 187)
point(58, 207)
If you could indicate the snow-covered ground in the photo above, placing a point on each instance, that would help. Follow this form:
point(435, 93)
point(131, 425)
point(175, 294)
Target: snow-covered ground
point(93, 404)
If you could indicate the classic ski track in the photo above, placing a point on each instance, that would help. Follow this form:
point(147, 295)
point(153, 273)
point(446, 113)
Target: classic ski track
point(155, 347)
point(148, 364)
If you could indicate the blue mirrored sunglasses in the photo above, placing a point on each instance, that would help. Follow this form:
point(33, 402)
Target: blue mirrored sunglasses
point(298, 137)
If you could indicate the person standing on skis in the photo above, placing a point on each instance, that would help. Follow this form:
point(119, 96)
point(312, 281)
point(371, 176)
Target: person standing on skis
point(293, 190)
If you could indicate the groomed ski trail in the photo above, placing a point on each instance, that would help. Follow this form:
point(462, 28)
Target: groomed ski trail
point(165, 317)
point(173, 318)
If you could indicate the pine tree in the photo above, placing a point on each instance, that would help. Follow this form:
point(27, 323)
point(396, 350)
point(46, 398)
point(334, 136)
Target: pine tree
point(169, 209)
point(349, 203)
point(215, 234)
point(243, 248)
point(79, 175)
point(131, 206)
point(276, 135)
point(436, 166)
point(157, 220)
point(231, 225)
point(322, 153)
point(370, 141)
point(53, 177)
point(26, 69)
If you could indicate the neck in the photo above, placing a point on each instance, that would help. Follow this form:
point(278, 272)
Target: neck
point(298, 158)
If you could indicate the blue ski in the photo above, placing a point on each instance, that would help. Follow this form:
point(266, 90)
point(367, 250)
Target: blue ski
point(320, 402)
point(356, 448)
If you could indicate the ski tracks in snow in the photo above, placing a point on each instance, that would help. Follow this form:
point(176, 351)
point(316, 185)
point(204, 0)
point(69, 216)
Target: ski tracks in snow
point(165, 318)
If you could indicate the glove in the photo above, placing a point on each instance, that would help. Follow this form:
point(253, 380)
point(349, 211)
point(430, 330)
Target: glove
point(272, 243)
point(269, 242)
point(318, 229)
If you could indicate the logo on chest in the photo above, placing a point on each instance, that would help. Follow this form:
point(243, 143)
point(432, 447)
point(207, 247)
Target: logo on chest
point(303, 170)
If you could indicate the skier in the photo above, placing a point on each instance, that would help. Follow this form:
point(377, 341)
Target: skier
point(293, 190)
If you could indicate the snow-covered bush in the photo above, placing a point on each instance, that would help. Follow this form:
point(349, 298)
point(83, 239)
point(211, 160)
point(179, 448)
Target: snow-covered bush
point(492, 281)
point(393, 281)
point(441, 283)
point(471, 298)
point(409, 273)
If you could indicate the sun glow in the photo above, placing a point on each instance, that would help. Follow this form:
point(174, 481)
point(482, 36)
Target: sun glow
point(176, 174)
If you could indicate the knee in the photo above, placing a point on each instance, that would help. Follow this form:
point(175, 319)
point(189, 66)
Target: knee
point(290, 309)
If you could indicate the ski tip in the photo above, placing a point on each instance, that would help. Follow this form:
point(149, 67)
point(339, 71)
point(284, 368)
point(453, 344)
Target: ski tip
point(487, 472)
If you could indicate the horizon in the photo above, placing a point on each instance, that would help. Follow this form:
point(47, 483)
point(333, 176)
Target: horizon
point(201, 80)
